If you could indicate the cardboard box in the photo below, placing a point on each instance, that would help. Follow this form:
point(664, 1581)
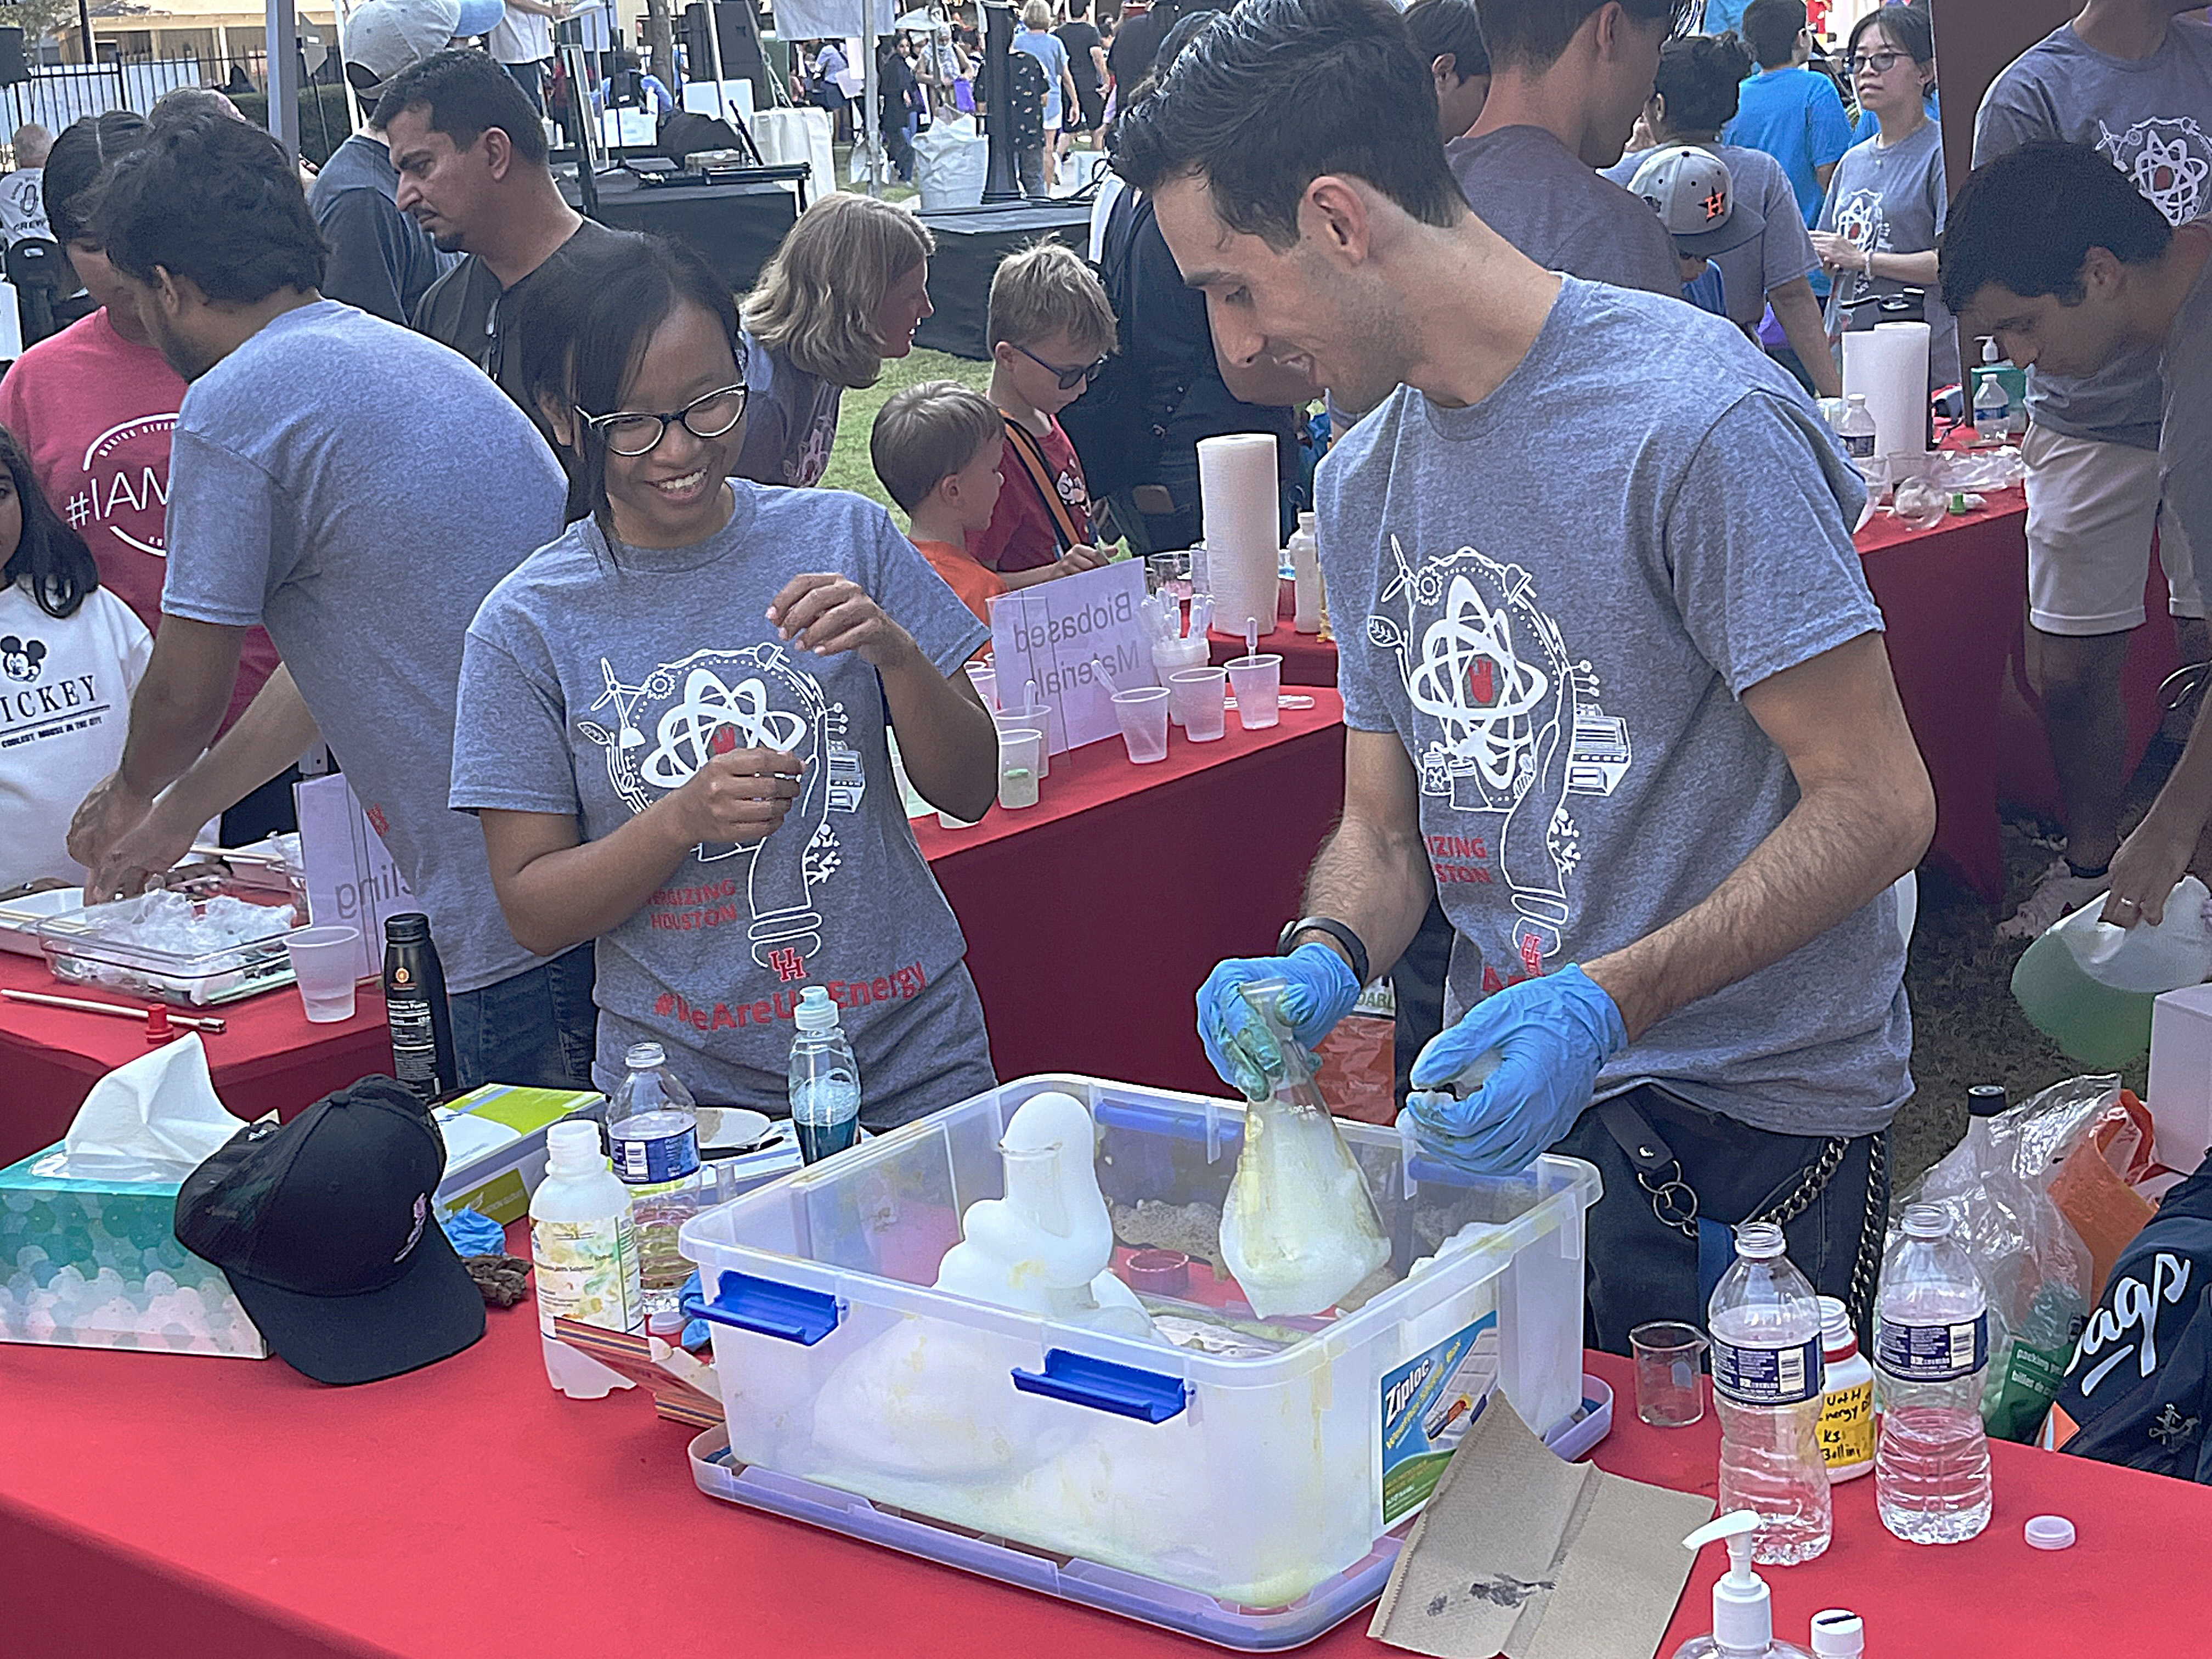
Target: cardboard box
point(2180, 1088)
point(96, 1264)
point(499, 1182)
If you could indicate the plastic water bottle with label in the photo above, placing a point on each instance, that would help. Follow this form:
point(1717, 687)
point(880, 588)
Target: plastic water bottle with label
point(825, 1078)
point(1764, 1323)
point(1931, 1465)
point(1857, 429)
point(653, 1133)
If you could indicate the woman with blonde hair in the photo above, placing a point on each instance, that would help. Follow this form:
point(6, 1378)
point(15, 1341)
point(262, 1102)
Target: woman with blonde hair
point(847, 289)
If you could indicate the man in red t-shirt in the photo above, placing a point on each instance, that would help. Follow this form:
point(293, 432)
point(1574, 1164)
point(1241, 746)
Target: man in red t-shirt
point(94, 406)
point(1049, 328)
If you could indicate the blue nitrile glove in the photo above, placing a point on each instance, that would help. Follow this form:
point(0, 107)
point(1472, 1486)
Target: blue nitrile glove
point(696, 1334)
point(474, 1234)
point(1552, 1034)
point(1318, 990)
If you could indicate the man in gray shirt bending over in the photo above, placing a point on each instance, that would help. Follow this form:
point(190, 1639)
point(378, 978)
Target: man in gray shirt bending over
point(358, 489)
point(1631, 717)
point(1568, 79)
point(2060, 256)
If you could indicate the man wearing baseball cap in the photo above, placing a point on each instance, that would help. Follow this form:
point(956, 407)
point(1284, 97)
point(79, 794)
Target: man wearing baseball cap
point(323, 1227)
point(380, 259)
point(1691, 190)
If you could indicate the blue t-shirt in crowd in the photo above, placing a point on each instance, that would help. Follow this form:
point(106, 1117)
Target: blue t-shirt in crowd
point(596, 682)
point(1797, 117)
point(1052, 58)
point(357, 489)
point(1564, 652)
point(1724, 16)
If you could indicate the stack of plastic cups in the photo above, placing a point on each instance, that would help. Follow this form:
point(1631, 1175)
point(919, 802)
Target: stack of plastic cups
point(1020, 755)
point(1172, 656)
point(1036, 717)
point(1143, 712)
point(1258, 684)
point(1199, 698)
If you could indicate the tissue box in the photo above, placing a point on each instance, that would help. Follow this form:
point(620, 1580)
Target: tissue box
point(96, 1264)
point(498, 1184)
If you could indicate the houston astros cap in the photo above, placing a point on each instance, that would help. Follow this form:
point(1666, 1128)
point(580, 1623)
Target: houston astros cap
point(1691, 190)
point(323, 1227)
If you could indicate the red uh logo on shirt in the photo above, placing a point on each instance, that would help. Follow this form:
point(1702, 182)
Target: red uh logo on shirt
point(789, 965)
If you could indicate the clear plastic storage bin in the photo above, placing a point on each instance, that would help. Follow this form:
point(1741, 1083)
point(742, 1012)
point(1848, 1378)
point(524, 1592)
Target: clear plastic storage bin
point(1248, 1460)
point(97, 946)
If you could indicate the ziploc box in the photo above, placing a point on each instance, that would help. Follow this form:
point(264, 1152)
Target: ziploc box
point(92, 1263)
point(498, 1182)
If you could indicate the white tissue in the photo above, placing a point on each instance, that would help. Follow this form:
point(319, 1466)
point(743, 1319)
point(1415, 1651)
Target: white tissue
point(154, 1118)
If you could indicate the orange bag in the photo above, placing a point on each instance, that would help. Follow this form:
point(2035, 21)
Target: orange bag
point(2094, 1188)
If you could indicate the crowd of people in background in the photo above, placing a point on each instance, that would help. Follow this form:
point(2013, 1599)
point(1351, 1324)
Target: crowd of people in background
point(517, 515)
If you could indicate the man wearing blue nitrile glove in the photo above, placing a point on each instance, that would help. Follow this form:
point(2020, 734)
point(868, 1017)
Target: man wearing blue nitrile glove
point(1319, 988)
point(1614, 694)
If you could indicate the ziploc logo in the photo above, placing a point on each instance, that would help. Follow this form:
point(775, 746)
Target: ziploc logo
point(1393, 1402)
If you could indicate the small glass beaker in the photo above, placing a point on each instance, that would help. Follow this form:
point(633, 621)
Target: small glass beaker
point(1670, 1384)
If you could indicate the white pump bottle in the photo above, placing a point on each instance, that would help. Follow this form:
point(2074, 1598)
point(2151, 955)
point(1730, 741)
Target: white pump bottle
point(1743, 1611)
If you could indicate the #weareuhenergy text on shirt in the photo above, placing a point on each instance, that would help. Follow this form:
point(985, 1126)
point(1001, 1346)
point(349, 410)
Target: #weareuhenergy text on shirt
point(96, 412)
point(2153, 116)
point(65, 686)
point(596, 681)
point(357, 489)
point(1535, 192)
point(1563, 650)
point(1892, 200)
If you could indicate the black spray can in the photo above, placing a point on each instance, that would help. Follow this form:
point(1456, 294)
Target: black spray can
point(416, 1008)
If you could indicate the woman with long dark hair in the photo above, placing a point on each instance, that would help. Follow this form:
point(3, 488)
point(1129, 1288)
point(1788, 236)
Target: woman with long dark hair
point(674, 720)
point(70, 655)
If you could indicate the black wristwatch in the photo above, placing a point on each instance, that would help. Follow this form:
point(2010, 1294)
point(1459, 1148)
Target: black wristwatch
point(1337, 930)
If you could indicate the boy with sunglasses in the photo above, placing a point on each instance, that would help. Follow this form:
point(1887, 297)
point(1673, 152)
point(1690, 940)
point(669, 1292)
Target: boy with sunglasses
point(1050, 329)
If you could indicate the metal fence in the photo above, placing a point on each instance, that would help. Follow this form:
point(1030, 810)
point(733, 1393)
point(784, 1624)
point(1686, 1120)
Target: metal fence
point(57, 93)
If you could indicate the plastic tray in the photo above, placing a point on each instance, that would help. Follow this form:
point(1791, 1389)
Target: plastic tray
point(81, 948)
point(1110, 1589)
point(21, 918)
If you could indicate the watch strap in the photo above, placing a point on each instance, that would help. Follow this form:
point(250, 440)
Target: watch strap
point(1335, 930)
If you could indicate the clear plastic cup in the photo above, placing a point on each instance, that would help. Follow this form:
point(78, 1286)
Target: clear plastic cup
point(324, 960)
point(1172, 656)
point(1037, 717)
point(1170, 573)
point(1670, 1388)
point(1257, 682)
point(986, 682)
point(1200, 696)
point(1019, 757)
point(1143, 712)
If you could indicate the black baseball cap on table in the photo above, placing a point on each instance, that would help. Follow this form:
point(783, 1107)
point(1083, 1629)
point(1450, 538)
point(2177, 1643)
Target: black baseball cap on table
point(323, 1227)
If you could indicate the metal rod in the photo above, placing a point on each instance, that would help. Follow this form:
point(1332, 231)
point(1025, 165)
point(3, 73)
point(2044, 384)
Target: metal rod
point(189, 1023)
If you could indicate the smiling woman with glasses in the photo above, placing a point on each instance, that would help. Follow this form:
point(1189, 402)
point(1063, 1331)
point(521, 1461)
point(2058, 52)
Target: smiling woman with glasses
point(674, 722)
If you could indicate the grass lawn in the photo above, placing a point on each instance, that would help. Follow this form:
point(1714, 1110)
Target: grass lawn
point(849, 462)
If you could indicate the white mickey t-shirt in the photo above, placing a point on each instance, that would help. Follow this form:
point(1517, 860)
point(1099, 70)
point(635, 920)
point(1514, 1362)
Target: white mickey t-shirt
point(65, 686)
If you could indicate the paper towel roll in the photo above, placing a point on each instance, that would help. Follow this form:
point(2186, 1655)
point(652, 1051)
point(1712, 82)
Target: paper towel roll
point(1243, 528)
point(1888, 363)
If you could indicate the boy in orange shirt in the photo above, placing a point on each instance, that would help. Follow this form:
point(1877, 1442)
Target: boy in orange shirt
point(936, 448)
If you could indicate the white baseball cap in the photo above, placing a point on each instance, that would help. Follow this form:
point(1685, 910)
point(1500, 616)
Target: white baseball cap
point(385, 39)
point(1690, 192)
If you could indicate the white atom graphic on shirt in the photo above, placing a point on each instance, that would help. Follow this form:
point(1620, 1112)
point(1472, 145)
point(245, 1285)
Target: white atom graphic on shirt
point(2169, 161)
point(1860, 222)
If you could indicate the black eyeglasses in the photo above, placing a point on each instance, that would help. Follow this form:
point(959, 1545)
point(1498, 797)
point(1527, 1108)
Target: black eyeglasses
point(1069, 378)
point(1880, 62)
point(632, 433)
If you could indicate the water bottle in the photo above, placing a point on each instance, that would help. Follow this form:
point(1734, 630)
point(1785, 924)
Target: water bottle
point(416, 1009)
point(825, 1078)
point(1992, 412)
point(1931, 1463)
point(1856, 428)
point(652, 1135)
point(1764, 1323)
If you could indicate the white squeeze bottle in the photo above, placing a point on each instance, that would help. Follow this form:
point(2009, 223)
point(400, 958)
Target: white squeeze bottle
point(1764, 1323)
point(583, 1250)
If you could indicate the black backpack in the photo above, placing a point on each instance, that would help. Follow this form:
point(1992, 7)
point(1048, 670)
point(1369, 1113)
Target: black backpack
point(1117, 425)
point(2140, 1386)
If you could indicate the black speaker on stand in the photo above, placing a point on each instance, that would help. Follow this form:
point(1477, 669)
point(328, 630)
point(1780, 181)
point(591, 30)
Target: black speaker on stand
point(15, 70)
point(1000, 183)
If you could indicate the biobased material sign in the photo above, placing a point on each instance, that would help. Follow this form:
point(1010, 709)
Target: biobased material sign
point(1079, 639)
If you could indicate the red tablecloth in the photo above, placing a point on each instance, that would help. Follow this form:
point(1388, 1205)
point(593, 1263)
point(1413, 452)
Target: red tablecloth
point(268, 1058)
point(1092, 917)
point(1307, 660)
point(1953, 598)
point(205, 1509)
